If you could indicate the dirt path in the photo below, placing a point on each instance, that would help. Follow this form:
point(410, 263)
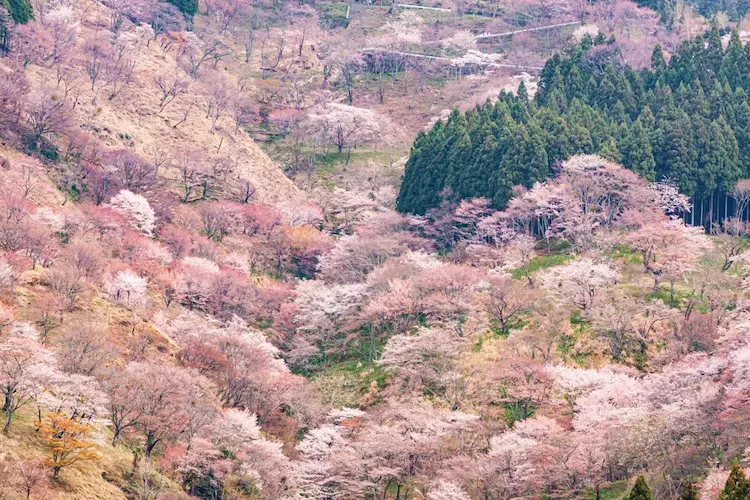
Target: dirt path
point(526, 30)
point(449, 60)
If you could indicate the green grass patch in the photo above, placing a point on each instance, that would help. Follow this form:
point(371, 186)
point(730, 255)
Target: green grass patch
point(364, 372)
point(610, 491)
point(541, 262)
point(513, 412)
point(681, 298)
point(516, 324)
point(555, 245)
point(626, 255)
point(327, 162)
point(333, 15)
point(566, 344)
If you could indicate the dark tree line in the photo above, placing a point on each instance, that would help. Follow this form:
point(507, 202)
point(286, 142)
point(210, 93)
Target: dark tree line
point(708, 8)
point(20, 10)
point(688, 120)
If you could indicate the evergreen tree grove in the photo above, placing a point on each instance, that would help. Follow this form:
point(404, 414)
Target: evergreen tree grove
point(686, 120)
point(20, 10)
point(187, 7)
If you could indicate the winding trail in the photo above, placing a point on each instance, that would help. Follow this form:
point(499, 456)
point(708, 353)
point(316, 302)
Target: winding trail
point(450, 60)
point(421, 7)
point(526, 30)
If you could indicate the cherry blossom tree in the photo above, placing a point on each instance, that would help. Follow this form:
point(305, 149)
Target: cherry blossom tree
point(68, 283)
point(579, 282)
point(46, 114)
point(167, 403)
point(430, 360)
point(506, 300)
point(194, 281)
point(135, 174)
point(343, 127)
point(81, 349)
point(323, 312)
point(445, 490)
point(23, 362)
point(136, 208)
point(127, 288)
point(741, 195)
point(226, 13)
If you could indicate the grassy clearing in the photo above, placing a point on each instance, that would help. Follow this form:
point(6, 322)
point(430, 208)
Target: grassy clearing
point(351, 383)
point(626, 255)
point(541, 262)
point(611, 491)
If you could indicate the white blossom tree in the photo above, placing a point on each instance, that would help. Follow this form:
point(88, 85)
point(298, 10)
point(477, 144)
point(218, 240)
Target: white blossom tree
point(579, 282)
point(127, 288)
point(137, 209)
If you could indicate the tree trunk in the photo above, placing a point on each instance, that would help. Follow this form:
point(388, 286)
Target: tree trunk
point(151, 443)
point(8, 420)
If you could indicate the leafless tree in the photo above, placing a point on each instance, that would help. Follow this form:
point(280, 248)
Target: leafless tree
point(171, 87)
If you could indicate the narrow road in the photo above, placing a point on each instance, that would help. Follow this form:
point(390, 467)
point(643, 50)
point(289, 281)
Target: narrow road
point(515, 32)
point(409, 6)
point(449, 60)
point(526, 30)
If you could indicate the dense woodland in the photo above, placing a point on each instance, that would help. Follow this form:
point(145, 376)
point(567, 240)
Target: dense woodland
point(688, 121)
point(736, 9)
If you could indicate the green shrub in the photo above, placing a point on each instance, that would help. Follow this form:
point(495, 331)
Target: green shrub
point(20, 10)
point(187, 7)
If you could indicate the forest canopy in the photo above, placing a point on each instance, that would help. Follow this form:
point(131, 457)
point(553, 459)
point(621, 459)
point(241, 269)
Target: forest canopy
point(687, 120)
point(736, 9)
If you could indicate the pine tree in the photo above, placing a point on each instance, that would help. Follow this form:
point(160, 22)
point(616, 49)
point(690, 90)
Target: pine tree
point(610, 151)
point(640, 491)
point(737, 486)
point(536, 162)
point(587, 43)
point(637, 153)
point(742, 133)
point(683, 120)
point(714, 50)
point(522, 94)
point(657, 59)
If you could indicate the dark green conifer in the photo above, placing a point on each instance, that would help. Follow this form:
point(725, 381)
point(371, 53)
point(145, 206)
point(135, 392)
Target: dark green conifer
point(637, 153)
point(640, 490)
point(522, 94)
point(657, 59)
point(610, 151)
point(737, 486)
point(689, 492)
point(587, 43)
point(187, 7)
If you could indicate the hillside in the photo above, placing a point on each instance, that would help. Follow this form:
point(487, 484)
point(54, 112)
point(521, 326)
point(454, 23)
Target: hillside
point(206, 290)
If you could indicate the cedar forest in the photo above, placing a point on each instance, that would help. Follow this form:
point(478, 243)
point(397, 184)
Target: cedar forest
point(688, 121)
